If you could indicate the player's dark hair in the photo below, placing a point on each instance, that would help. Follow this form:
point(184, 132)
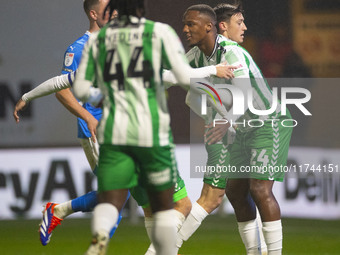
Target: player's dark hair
point(127, 8)
point(204, 9)
point(225, 11)
point(88, 4)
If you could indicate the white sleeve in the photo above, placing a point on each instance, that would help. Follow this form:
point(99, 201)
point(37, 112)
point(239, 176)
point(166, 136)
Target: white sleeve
point(201, 72)
point(194, 101)
point(50, 86)
point(169, 79)
point(223, 99)
point(185, 73)
point(178, 62)
point(245, 85)
point(182, 70)
point(82, 89)
point(241, 82)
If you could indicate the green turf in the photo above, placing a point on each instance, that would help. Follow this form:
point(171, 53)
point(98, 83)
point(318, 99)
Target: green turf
point(216, 236)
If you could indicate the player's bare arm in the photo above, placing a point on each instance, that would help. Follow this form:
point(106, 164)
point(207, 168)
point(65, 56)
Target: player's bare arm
point(20, 105)
point(215, 133)
point(66, 97)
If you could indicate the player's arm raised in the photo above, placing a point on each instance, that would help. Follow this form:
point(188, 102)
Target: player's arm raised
point(176, 60)
point(48, 87)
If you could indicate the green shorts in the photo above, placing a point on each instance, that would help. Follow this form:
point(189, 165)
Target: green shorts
point(262, 152)
point(141, 197)
point(117, 167)
point(218, 161)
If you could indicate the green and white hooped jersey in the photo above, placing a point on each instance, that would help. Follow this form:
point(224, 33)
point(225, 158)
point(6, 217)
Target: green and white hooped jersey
point(127, 63)
point(246, 74)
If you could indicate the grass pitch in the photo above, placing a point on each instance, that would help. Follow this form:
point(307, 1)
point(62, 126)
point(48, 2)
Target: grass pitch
point(217, 235)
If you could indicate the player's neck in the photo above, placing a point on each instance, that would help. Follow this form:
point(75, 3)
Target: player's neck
point(208, 44)
point(93, 27)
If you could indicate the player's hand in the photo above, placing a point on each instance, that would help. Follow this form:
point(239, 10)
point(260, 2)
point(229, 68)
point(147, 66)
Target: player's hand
point(231, 135)
point(225, 71)
point(92, 124)
point(18, 107)
point(215, 134)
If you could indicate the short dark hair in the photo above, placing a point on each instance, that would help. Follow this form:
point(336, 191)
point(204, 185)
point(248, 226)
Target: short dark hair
point(126, 7)
point(205, 9)
point(225, 11)
point(88, 4)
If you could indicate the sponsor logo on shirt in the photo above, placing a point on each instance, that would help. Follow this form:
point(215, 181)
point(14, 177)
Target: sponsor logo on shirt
point(69, 59)
point(238, 66)
point(67, 70)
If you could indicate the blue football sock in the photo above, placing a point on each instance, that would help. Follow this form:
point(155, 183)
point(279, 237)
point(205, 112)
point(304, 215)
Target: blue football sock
point(113, 230)
point(85, 203)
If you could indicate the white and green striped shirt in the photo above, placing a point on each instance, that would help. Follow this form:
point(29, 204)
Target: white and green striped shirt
point(127, 61)
point(247, 75)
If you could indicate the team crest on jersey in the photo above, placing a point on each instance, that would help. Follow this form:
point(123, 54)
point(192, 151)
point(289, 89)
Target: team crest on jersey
point(69, 59)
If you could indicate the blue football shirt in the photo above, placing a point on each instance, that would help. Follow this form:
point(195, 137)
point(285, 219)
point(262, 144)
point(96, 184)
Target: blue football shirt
point(72, 58)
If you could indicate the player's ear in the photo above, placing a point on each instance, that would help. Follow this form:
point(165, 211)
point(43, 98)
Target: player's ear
point(222, 26)
point(93, 14)
point(209, 26)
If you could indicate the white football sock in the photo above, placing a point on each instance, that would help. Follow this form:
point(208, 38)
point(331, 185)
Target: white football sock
point(179, 219)
point(191, 224)
point(263, 242)
point(63, 210)
point(249, 232)
point(164, 232)
point(272, 231)
point(148, 223)
point(105, 216)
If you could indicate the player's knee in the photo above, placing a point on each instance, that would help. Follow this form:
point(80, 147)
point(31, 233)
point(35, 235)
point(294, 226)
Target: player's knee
point(147, 211)
point(237, 191)
point(232, 195)
point(260, 192)
point(217, 202)
point(161, 200)
point(184, 206)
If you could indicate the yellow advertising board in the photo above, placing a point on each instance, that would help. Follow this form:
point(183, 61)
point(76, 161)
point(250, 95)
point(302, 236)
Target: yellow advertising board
point(316, 35)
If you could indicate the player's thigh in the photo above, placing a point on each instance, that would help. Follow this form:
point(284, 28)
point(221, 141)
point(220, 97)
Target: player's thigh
point(183, 205)
point(217, 165)
point(158, 167)
point(269, 150)
point(180, 191)
point(237, 189)
point(91, 151)
point(239, 158)
point(140, 195)
point(116, 169)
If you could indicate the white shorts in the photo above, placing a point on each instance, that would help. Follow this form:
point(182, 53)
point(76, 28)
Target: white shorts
point(91, 150)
